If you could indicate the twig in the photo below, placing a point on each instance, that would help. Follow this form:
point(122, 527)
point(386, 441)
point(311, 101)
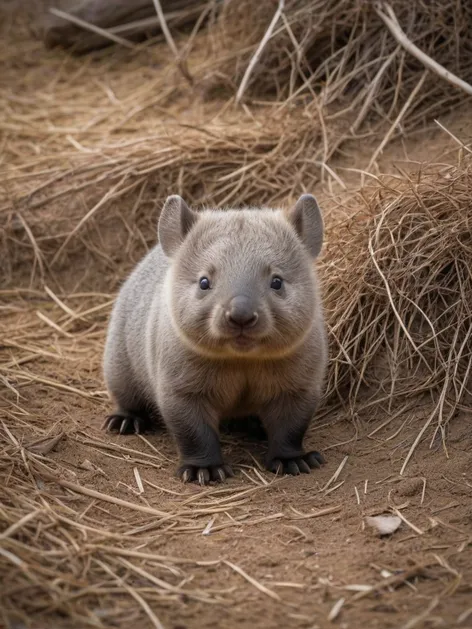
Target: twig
point(317, 514)
point(393, 581)
point(98, 494)
point(336, 474)
point(334, 613)
point(394, 27)
point(416, 620)
point(456, 139)
point(397, 120)
point(257, 54)
point(170, 42)
point(256, 584)
point(91, 27)
point(21, 522)
point(137, 597)
point(407, 522)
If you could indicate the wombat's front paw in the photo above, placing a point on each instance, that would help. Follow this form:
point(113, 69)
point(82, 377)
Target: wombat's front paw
point(296, 465)
point(125, 423)
point(203, 475)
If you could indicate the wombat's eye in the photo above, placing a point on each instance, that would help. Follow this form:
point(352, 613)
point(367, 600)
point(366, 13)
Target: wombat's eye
point(204, 283)
point(276, 283)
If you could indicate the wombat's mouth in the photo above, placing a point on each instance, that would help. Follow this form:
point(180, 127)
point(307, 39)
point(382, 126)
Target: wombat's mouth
point(243, 342)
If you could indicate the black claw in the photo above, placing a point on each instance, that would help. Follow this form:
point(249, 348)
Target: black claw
point(124, 423)
point(187, 475)
point(228, 471)
point(113, 422)
point(292, 468)
point(203, 475)
point(218, 474)
point(296, 465)
point(276, 466)
point(314, 459)
point(303, 466)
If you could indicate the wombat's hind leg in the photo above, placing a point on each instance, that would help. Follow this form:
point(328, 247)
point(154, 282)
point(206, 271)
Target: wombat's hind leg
point(126, 422)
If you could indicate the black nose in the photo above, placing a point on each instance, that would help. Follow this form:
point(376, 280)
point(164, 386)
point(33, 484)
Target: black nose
point(241, 313)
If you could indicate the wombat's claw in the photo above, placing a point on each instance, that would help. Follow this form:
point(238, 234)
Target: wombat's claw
point(203, 475)
point(124, 423)
point(297, 465)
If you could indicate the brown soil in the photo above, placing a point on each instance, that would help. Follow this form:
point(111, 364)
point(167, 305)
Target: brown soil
point(260, 551)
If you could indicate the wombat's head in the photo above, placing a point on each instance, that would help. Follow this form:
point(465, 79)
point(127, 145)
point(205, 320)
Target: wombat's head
point(242, 282)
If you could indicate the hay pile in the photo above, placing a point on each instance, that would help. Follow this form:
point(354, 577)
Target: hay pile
point(398, 287)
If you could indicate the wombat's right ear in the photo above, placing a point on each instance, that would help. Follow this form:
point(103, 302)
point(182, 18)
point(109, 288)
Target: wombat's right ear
point(174, 223)
point(305, 216)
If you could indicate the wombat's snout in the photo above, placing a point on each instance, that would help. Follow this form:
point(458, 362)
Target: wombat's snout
point(241, 312)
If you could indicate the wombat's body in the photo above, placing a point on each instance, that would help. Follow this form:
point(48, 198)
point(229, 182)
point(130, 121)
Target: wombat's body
point(222, 319)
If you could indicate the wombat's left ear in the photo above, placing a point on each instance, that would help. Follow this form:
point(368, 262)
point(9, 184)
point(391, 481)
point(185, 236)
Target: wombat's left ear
point(175, 222)
point(305, 216)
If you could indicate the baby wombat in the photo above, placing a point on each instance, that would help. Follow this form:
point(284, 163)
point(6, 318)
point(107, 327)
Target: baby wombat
point(223, 318)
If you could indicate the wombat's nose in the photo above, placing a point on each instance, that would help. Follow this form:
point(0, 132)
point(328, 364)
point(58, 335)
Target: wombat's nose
point(240, 313)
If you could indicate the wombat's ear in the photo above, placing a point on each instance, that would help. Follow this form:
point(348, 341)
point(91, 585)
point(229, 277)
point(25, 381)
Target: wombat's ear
point(305, 216)
point(174, 223)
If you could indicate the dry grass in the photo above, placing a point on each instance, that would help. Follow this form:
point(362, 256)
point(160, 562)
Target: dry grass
point(340, 52)
point(398, 292)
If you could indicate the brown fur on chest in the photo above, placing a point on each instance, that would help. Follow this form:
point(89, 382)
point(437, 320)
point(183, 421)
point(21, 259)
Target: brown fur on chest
point(238, 387)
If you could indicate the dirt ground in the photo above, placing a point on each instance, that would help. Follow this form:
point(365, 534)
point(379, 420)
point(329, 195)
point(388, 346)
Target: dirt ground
point(96, 531)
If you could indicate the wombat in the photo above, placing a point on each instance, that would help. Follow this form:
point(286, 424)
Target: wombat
point(223, 318)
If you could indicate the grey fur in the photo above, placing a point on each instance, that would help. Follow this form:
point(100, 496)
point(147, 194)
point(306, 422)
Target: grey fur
point(174, 348)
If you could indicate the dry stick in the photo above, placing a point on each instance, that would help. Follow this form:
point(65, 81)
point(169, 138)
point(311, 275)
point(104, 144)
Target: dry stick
point(53, 325)
point(31, 377)
point(97, 494)
point(389, 293)
point(60, 303)
point(407, 522)
point(371, 91)
point(317, 514)
point(170, 42)
point(252, 581)
point(84, 219)
point(21, 522)
point(416, 620)
point(124, 552)
point(138, 598)
point(394, 27)
point(392, 581)
point(461, 144)
point(91, 27)
point(257, 54)
point(334, 613)
point(423, 430)
point(397, 120)
point(37, 250)
point(336, 474)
